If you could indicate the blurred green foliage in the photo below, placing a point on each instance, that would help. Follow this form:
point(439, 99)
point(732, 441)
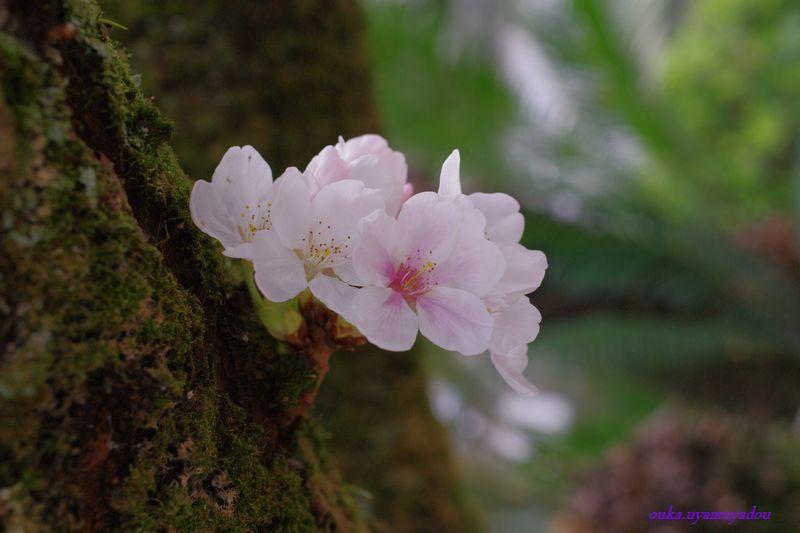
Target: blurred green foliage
point(733, 78)
point(685, 263)
point(429, 105)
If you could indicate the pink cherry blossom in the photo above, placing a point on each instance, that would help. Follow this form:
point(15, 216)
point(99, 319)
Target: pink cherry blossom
point(368, 159)
point(425, 271)
point(515, 319)
point(350, 229)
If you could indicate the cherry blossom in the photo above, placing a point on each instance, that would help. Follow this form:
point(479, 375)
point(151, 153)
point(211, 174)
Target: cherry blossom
point(515, 319)
point(368, 159)
point(237, 202)
point(426, 271)
point(393, 263)
point(312, 240)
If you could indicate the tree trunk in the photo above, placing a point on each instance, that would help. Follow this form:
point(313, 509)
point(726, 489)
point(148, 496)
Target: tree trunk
point(137, 388)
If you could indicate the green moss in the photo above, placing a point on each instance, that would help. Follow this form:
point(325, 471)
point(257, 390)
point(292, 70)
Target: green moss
point(123, 333)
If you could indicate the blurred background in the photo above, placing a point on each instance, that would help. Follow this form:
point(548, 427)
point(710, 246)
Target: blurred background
point(655, 148)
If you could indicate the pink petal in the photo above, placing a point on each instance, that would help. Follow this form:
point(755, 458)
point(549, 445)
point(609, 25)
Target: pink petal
point(327, 167)
point(428, 228)
point(291, 212)
point(372, 259)
point(515, 325)
point(504, 222)
point(279, 273)
point(385, 319)
point(476, 265)
point(337, 210)
point(380, 173)
point(511, 366)
point(408, 192)
point(449, 178)
point(454, 320)
point(336, 295)
point(524, 272)
point(359, 146)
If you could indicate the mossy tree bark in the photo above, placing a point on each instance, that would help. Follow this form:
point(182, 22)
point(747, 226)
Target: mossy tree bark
point(137, 389)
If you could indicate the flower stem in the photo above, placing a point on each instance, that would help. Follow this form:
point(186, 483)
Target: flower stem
point(280, 318)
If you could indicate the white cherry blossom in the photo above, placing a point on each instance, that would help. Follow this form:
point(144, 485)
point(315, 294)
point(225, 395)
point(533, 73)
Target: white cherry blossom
point(237, 202)
point(312, 240)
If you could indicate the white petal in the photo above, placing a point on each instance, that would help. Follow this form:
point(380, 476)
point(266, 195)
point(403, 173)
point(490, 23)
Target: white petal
point(243, 251)
point(515, 325)
point(504, 222)
point(524, 272)
point(373, 260)
point(337, 210)
point(335, 294)
point(291, 210)
point(511, 366)
point(279, 273)
point(348, 274)
point(244, 166)
point(428, 228)
point(236, 203)
point(243, 178)
point(210, 217)
point(385, 319)
point(449, 178)
point(455, 320)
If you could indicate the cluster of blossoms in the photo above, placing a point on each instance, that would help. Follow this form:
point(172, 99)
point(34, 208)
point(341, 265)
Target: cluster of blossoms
point(390, 262)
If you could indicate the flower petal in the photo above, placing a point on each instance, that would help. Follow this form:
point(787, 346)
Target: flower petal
point(279, 273)
point(356, 147)
point(455, 320)
point(449, 178)
point(524, 272)
point(242, 251)
point(511, 366)
point(335, 294)
point(504, 222)
point(210, 217)
point(338, 209)
point(408, 192)
point(347, 273)
point(373, 259)
point(291, 212)
point(243, 166)
point(386, 174)
point(327, 167)
point(428, 228)
point(385, 319)
point(476, 265)
point(515, 325)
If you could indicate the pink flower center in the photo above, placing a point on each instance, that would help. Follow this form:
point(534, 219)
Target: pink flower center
point(413, 280)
